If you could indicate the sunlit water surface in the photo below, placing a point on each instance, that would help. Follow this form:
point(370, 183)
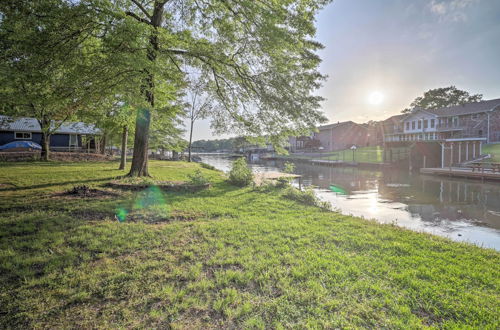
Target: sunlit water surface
point(463, 210)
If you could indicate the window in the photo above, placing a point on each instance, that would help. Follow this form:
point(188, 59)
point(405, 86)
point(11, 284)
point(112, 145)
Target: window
point(23, 136)
point(412, 125)
point(433, 121)
point(455, 121)
point(475, 116)
point(426, 123)
point(407, 125)
point(419, 124)
point(73, 141)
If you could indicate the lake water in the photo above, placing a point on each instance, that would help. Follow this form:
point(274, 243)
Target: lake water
point(463, 210)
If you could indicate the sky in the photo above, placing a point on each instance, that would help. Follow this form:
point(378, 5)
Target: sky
point(380, 55)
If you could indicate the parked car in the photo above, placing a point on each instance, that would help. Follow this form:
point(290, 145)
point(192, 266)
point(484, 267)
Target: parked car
point(20, 146)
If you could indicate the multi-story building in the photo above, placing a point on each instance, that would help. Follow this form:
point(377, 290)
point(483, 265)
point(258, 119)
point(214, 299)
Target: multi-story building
point(472, 120)
point(446, 136)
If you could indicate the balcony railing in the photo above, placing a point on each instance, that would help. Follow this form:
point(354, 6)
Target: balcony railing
point(450, 127)
point(411, 137)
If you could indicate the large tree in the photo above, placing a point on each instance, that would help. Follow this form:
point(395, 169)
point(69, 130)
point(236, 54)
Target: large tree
point(54, 62)
point(443, 97)
point(259, 56)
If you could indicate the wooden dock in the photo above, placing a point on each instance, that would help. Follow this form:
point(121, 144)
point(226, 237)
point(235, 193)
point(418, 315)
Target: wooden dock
point(261, 177)
point(331, 162)
point(463, 172)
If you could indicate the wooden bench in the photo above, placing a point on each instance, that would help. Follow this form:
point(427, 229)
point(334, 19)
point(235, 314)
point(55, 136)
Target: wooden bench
point(495, 167)
point(477, 166)
point(481, 167)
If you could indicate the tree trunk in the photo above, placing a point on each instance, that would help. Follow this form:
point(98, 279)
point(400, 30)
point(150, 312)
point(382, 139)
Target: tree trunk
point(44, 123)
point(190, 140)
point(123, 159)
point(45, 146)
point(103, 144)
point(140, 158)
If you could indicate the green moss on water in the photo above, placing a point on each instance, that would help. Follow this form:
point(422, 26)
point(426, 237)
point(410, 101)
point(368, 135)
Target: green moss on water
point(244, 258)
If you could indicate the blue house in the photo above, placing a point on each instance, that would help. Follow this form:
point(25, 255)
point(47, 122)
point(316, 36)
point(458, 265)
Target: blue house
point(75, 136)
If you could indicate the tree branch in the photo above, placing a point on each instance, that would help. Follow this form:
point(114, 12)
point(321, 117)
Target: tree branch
point(144, 11)
point(138, 18)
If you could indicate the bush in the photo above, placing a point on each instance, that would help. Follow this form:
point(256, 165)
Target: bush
point(198, 179)
point(288, 167)
point(240, 175)
point(283, 182)
point(306, 197)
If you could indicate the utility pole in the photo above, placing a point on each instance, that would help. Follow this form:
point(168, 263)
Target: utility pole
point(488, 128)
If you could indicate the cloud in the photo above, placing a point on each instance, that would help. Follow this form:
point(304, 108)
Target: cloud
point(451, 10)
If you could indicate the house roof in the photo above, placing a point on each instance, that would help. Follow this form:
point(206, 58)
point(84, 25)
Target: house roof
point(22, 124)
point(395, 119)
point(469, 108)
point(330, 126)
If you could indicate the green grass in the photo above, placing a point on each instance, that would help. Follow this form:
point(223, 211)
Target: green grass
point(225, 257)
point(494, 150)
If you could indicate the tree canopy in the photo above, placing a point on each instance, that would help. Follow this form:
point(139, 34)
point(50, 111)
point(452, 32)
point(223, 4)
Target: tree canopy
point(443, 97)
point(55, 62)
point(259, 58)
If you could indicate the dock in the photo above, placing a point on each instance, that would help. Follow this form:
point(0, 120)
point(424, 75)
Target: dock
point(463, 172)
point(261, 177)
point(331, 162)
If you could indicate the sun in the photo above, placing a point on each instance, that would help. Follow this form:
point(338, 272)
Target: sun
point(376, 98)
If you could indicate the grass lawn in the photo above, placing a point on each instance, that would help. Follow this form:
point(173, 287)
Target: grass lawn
point(494, 150)
point(225, 257)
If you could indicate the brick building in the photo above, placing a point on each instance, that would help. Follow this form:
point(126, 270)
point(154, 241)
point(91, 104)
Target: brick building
point(342, 135)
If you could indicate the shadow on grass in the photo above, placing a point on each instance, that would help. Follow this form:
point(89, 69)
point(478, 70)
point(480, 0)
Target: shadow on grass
point(47, 185)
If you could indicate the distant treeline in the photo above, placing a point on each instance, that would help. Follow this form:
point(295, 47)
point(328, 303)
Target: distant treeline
point(231, 144)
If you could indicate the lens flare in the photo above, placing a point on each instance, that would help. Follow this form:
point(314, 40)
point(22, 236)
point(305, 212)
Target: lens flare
point(151, 200)
point(121, 214)
point(338, 189)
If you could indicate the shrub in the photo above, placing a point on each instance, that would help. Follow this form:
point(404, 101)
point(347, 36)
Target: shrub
point(283, 182)
point(306, 197)
point(286, 181)
point(198, 179)
point(240, 175)
point(288, 167)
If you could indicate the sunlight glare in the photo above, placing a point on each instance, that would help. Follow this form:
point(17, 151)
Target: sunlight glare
point(376, 98)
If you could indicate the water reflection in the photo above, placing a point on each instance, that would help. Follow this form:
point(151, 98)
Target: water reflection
point(459, 209)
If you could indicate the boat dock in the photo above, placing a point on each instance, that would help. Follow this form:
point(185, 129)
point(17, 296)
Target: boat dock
point(261, 177)
point(331, 162)
point(463, 172)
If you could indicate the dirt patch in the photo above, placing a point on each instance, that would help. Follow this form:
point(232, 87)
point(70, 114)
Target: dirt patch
point(91, 214)
point(84, 191)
